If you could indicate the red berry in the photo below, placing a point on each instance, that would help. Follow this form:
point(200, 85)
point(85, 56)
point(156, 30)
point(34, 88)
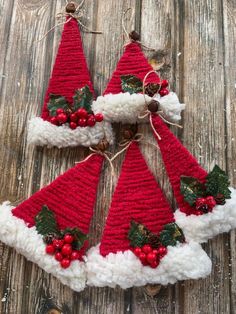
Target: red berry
point(98, 117)
point(82, 122)
point(210, 201)
point(59, 111)
point(151, 257)
point(73, 117)
point(65, 263)
point(142, 257)
point(162, 250)
point(66, 249)
point(137, 251)
point(50, 249)
point(75, 255)
point(147, 249)
point(154, 264)
point(91, 121)
point(62, 118)
point(82, 113)
point(58, 256)
point(163, 92)
point(155, 252)
point(200, 201)
point(54, 120)
point(198, 213)
point(68, 238)
point(73, 125)
point(58, 243)
point(164, 83)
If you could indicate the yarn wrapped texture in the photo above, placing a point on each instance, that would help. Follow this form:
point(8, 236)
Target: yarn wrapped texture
point(178, 161)
point(71, 197)
point(132, 62)
point(137, 197)
point(70, 71)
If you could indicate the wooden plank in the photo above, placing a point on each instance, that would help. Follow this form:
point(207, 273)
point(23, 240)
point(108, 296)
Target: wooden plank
point(229, 29)
point(204, 134)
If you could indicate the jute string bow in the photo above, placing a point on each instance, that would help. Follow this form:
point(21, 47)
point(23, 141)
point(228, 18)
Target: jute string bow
point(77, 14)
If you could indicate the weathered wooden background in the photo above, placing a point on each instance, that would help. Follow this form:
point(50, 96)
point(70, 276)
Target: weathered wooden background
point(199, 37)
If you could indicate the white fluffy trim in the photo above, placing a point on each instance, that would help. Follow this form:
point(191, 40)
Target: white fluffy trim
point(170, 106)
point(126, 107)
point(41, 132)
point(183, 261)
point(201, 228)
point(14, 232)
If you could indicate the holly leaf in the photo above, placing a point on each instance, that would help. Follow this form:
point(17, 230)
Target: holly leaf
point(83, 98)
point(45, 222)
point(217, 182)
point(171, 234)
point(191, 188)
point(79, 236)
point(131, 84)
point(56, 102)
point(138, 234)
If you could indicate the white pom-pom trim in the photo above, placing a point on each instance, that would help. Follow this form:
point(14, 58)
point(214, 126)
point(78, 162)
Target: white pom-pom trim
point(44, 133)
point(14, 232)
point(127, 108)
point(204, 227)
point(183, 261)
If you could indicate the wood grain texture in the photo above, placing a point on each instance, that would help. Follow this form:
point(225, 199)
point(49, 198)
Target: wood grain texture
point(198, 40)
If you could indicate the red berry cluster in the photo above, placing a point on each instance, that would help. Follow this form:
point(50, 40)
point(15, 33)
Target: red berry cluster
point(78, 118)
point(62, 249)
point(149, 256)
point(163, 90)
point(205, 205)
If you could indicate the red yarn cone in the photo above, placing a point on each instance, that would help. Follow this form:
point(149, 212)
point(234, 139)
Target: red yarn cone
point(179, 162)
point(71, 197)
point(139, 198)
point(70, 73)
point(132, 62)
point(117, 105)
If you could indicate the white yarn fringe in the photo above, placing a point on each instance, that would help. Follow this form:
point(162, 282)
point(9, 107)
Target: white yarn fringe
point(183, 261)
point(44, 133)
point(14, 232)
point(127, 108)
point(204, 227)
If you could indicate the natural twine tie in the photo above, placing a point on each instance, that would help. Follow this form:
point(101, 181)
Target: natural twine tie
point(73, 12)
point(148, 113)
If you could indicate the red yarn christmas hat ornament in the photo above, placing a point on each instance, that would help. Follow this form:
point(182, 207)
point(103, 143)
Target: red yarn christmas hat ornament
point(51, 227)
point(67, 118)
point(133, 249)
point(209, 214)
point(123, 99)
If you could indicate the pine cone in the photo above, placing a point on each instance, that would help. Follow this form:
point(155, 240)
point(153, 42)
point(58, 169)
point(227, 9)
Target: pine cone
point(70, 7)
point(154, 241)
point(204, 208)
point(134, 36)
point(220, 199)
point(151, 89)
point(49, 238)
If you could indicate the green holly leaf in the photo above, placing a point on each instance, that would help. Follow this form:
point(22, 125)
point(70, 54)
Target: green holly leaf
point(131, 84)
point(138, 234)
point(45, 222)
point(79, 236)
point(83, 98)
point(217, 182)
point(171, 234)
point(56, 102)
point(191, 189)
